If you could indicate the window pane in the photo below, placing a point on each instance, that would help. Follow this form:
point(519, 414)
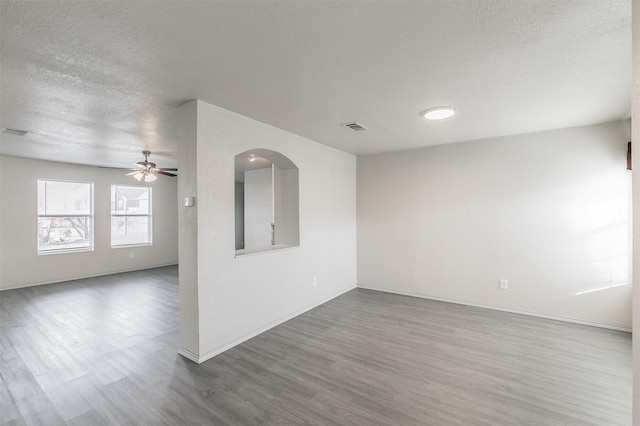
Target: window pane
point(130, 230)
point(64, 233)
point(130, 215)
point(65, 220)
point(130, 200)
point(64, 198)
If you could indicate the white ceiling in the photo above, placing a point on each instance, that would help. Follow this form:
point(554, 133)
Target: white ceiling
point(97, 82)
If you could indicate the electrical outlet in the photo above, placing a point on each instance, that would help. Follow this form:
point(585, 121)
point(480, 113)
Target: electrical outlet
point(130, 255)
point(315, 281)
point(504, 285)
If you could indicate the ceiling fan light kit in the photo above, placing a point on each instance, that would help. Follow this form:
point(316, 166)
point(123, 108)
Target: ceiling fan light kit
point(146, 177)
point(148, 172)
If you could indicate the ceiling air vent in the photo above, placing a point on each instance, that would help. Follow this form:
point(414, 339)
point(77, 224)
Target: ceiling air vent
point(14, 131)
point(354, 125)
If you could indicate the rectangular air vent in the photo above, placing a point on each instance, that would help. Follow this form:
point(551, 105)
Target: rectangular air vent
point(354, 125)
point(14, 131)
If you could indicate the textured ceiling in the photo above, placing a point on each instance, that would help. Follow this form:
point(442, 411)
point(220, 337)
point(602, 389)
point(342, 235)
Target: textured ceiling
point(97, 82)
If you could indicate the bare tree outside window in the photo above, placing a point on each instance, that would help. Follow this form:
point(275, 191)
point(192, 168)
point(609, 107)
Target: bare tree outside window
point(65, 216)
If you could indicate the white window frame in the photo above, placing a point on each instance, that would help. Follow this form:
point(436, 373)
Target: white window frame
point(115, 214)
point(88, 217)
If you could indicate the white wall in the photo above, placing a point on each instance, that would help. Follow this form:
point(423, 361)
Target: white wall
point(239, 198)
point(550, 212)
point(20, 264)
point(188, 230)
point(286, 207)
point(635, 116)
point(239, 297)
point(258, 208)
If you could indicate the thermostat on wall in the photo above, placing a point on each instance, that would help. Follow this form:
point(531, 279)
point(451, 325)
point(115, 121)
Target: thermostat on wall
point(188, 201)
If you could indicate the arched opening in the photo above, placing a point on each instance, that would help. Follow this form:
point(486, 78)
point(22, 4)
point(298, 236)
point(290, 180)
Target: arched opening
point(266, 202)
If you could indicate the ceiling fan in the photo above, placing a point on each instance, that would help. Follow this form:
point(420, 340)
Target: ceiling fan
point(147, 171)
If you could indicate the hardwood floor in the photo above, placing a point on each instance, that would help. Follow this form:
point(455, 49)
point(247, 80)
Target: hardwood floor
point(103, 351)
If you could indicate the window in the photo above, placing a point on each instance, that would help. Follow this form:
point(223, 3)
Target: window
point(130, 215)
point(65, 216)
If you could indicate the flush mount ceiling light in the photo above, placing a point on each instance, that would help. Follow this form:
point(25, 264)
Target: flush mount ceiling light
point(439, 113)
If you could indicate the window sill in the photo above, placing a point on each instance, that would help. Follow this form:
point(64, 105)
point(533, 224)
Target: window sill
point(260, 250)
point(64, 251)
point(132, 245)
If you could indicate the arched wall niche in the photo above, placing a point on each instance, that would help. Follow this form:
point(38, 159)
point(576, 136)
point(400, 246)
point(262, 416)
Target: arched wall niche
point(266, 202)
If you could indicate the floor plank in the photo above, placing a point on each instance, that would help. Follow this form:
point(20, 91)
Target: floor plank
point(102, 351)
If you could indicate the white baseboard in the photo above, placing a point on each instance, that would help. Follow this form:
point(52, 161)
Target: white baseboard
point(188, 354)
point(217, 351)
point(497, 308)
point(81, 277)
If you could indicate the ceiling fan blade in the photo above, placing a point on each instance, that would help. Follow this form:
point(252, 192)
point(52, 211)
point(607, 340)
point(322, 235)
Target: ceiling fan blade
point(167, 170)
point(146, 171)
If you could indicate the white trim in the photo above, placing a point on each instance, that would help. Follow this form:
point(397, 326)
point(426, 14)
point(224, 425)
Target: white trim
point(101, 274)
point(496, 308)
point(62, 250)
point(119, 246)
point(188, 354)
point(212, 353)
point(240, 253)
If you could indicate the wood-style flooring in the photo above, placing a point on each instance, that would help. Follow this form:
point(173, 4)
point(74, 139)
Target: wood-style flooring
point(103, 351)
